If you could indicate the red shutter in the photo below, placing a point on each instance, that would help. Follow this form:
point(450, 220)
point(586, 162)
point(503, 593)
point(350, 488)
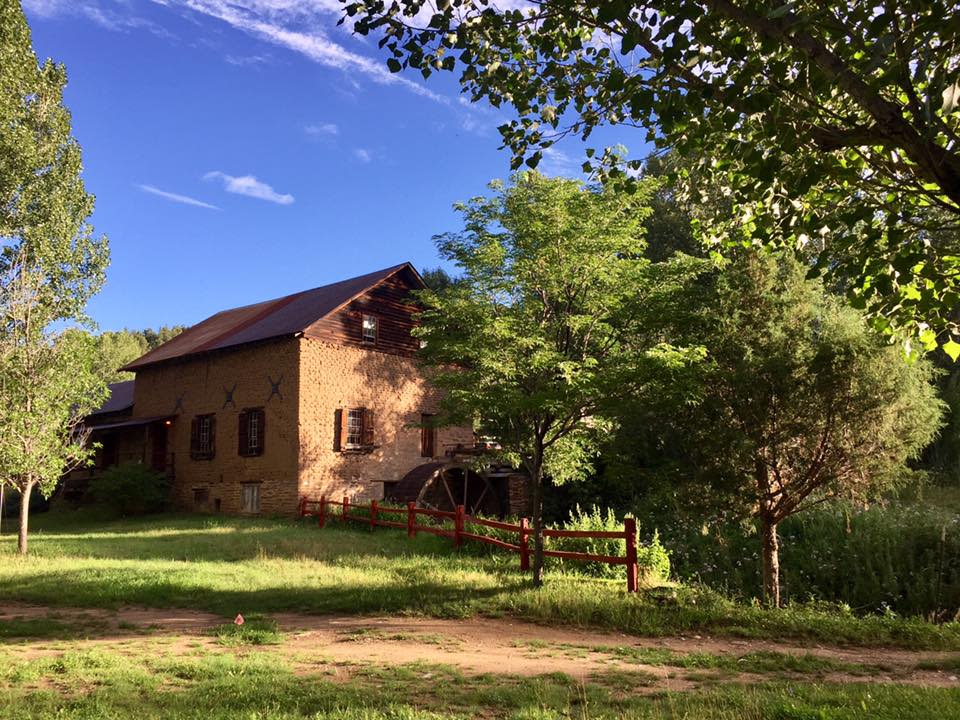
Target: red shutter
point(337, 430)
point(243, 444)
point(367, 427)
point(194, 438)
point(427, 436)
point(213, 436)
point(263, 430)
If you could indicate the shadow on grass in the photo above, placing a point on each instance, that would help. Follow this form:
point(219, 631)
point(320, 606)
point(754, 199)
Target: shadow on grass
point(110, 587)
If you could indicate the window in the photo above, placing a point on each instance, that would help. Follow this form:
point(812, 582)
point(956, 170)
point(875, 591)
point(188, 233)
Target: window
point(203, 430)
point(251, 432)
point(353, 429)
point(201, 496)
point(250, 497)
point(370, 329)
point(428, 436)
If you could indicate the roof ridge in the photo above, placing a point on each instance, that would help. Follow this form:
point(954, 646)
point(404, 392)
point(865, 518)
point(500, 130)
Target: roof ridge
point(225, 328)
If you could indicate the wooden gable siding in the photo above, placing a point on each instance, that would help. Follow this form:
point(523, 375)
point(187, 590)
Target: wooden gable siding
point(390, 302)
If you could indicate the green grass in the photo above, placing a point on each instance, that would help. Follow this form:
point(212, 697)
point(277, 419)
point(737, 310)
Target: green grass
point(51, 627)
point(258, 566)
point(255, 630)
point(221, 684)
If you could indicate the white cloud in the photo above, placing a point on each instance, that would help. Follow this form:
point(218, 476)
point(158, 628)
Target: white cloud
point(176, 197)
point(247, 60)
point(319, 129)
point(107, 17)
point(278, 22)
point(557, 162)
point(249, 185)
point(362, 155)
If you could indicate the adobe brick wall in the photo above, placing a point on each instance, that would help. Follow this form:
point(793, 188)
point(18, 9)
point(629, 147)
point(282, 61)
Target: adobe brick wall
point(335, 376)
point(200, 381)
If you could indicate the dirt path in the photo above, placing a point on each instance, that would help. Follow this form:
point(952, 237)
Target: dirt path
point(477, 645)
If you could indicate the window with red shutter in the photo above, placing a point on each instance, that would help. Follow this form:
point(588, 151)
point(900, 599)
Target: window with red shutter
point(251, 433)
point(203, 433)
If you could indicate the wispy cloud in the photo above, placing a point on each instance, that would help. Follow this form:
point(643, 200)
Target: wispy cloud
point(176, 197)
point(247, 60)
point(249, 185)
point(362, 155)
point(103, 15)
point(320, 129)
point(557, 162)
point(300, 26)
point(279, 22)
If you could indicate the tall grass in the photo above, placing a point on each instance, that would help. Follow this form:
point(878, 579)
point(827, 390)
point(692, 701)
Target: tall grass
point(904, 558)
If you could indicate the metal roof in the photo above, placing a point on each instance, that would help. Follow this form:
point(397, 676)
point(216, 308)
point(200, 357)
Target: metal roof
point(131, 422)
point(120, 399)
point(270, 319)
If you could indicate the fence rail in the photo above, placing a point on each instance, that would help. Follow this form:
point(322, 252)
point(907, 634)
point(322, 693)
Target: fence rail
point(325, 509)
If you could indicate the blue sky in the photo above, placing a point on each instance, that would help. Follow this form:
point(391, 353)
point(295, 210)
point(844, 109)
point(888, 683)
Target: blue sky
point(244, 149)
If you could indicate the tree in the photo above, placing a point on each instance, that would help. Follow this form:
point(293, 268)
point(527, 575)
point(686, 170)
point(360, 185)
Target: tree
point(50, 265)
point(798, 401)
point(832, 126)
point(437, 278)
point(528, 342)
point(117, 348)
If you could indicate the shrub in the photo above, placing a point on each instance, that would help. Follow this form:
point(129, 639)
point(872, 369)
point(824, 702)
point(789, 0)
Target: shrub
point(131, 489)
point(901, 558)
point(652, 559)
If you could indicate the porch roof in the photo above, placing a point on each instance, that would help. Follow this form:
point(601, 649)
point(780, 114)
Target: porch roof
point(130, 422)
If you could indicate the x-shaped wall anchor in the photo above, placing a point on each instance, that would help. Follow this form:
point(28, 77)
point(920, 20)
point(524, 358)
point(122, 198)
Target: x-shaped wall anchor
point(228, 395)
point(275, 387)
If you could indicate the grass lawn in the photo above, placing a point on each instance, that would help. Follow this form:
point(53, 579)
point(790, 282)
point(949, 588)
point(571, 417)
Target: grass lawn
point(230, 565)
point(221, 684)
point(69, 666)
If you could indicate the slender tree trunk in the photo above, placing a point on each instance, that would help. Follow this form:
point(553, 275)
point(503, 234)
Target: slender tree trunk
point(771, 562)
point(24, 517)
point(537, 496)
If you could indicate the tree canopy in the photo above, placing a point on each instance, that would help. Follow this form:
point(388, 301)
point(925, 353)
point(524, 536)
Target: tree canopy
point(529, 342)
point(832, 127)
point(50, 265)
point(796, 403)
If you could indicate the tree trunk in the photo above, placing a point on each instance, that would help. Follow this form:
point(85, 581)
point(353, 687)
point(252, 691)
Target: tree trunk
point(771, 563)
point(24, 518)
point(537, 510)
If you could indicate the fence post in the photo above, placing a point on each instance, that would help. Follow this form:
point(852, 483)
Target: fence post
point(411, 519)
point(322, 515)
point(373, 514)
point(630, 528)
point(346, 506)
point(524, 545)
point(458, 526)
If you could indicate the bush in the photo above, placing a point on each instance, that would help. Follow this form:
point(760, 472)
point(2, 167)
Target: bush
point(652, 559)
point(131, 489)
point(904, 559)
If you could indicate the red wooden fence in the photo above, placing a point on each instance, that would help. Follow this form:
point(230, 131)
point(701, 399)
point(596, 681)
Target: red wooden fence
point(322, 509)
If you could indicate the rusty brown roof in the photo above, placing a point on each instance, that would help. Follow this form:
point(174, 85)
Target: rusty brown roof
point(288, 315)
point(119, 399)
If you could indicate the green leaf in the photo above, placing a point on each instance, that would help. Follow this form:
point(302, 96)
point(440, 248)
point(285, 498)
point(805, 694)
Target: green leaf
point(952, 349)
point(394, 65)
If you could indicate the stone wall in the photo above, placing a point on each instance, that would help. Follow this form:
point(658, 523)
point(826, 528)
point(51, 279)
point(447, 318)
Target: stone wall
point(334, 376)
point(223, 384)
